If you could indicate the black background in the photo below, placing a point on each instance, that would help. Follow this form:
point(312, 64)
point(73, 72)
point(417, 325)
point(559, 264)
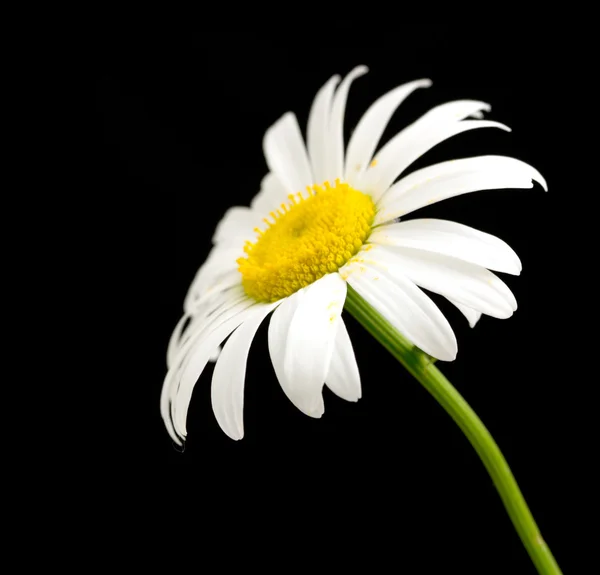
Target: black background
point(181, 116)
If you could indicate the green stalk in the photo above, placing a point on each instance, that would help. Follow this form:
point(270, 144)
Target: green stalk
point(422, 367)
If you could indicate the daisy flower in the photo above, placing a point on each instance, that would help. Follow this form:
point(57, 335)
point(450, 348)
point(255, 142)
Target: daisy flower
point(327, 218)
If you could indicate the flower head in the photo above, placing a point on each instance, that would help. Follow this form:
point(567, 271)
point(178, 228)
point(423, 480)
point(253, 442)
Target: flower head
point(326, 217)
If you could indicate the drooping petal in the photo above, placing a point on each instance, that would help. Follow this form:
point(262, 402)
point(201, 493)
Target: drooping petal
point(312, 332)
point(222, 286)
point(318, 130)
point(308, 401)
point(371, 126)
point(286, 154)
point(191, 361)
point(201, 322)
point(301, 340)
point(198, 315)
point(227, 391)
point(466, 283)
point(220, 262)
point(179, 347)
point(343, 377)
point(335, 167)
point(451, 239)
point(448, 179)
point(404, 305)
point(175, 338)
point(473, 316)
point(272, 194)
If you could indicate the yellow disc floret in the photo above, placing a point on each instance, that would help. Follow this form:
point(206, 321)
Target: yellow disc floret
point(307, 239)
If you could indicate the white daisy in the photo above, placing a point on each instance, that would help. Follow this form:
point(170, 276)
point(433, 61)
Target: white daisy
point(326, 217)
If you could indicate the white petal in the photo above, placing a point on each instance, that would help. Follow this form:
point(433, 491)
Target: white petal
point(472, 315)
point(312, 332)
point(199, 316)
point(272, 194)
point(308, 401)
point(404, 305)
point(175, 338)
point(454, 111)
point(196, 355)
point(237, 221)
point(448, 179)
point(203, 320)
point(343, 377)
point(451, 239)
point(220, 262)
point(318, 130)
point(178, 356)
point(403, 153)
point(227, 391)
point(371, 126)
point(286, 154)
point(411, 143)
point(469, 284)
point(224, 284)
point(335, 167)
point(215, 355)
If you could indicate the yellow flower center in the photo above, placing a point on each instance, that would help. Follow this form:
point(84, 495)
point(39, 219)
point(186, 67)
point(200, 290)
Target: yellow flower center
point(307, 239)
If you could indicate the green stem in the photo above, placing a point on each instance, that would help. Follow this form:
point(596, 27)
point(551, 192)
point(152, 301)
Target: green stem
point(421, 366)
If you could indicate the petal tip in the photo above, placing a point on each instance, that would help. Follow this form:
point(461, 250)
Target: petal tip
point(542, 182)
point(316, 412)
point(177, 441)
point(234, 434)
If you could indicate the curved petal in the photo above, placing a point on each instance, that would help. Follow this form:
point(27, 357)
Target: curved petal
point(178, 360)
point(199, 317)
point(454, 111)
point(308, 401)
point(228, 303)
point(473, 316)
point(224, 284)
point(371, 126)
point(469, 284)
point(317, 132)
point(335, 167)
point(215, 355)
point(227, 390)
point(286, 154)
point(404, 305)
point(181, 335)
point(451, 239)
point(175, 338)
point(221, 262)
point(431, 129)
point(343, 377)
point(312, 332)
point(454, 178)
point(237, 221)
point(272, 194)
point(186, 370)
point(391, 168)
